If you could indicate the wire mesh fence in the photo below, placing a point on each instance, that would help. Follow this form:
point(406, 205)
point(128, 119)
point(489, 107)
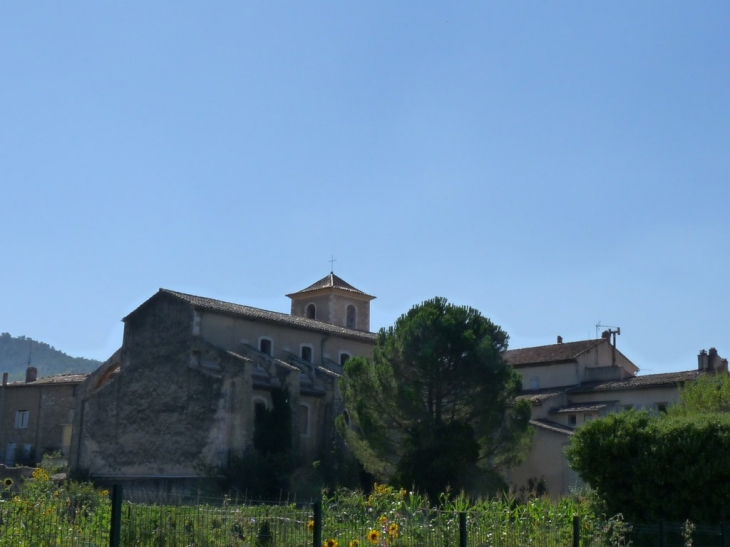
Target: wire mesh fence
point(152, 519)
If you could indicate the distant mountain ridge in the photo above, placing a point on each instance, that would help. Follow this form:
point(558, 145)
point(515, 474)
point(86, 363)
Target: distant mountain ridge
point(47, 359)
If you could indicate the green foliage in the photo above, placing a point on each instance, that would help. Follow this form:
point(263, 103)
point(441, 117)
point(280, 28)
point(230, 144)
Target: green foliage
point(709, 393)
point(653, 468)
point(264, 472)
point(48, 360)
point(433, 406)
point(273, 427)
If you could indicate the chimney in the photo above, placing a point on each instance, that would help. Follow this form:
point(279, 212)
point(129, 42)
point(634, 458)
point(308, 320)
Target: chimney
point(5, 379)
point(702, 361)
point(560, 339)
point(713, 360)
point(606, 335)
point(31, 373)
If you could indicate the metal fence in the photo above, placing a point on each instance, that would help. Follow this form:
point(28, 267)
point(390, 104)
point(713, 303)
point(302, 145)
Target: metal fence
point(150, 520)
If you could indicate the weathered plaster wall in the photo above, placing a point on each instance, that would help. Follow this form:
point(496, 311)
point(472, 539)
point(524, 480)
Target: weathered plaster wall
point(232, 332)
point(546, 460)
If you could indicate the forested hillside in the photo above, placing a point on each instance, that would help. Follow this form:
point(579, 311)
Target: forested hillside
point(48, 360)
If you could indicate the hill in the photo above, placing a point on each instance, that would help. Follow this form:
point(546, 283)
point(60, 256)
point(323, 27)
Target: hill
point(47, 359)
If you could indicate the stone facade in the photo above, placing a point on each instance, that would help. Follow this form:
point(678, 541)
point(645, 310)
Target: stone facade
point(180, 395)
point(36, 416)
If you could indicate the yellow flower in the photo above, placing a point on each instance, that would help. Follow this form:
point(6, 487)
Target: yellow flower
point(383, 520)
point(310, 525)
point(373, 536)
point(354, 543)
point(40, 474)
point(393, 530)
point(104, 493)
point(331, 542)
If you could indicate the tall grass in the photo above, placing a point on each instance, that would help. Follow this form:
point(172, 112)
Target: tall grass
point(47, 514)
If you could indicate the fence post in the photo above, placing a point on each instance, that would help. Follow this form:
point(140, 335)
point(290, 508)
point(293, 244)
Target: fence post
point(116, 524)
point(462, 529)
point(725, 535)
point(576, 531)
point(317, 542)
point(662, 534)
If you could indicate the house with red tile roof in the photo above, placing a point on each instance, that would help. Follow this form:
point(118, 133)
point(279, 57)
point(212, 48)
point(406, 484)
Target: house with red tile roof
point(572, 383)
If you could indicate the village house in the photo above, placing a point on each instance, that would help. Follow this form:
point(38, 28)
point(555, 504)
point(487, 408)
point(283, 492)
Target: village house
point(182, 393)
point(575, 382)
point(36, 416)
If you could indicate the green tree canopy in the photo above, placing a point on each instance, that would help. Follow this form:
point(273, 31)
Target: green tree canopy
point(652, 468)
point(435, 405)
point(709, 393)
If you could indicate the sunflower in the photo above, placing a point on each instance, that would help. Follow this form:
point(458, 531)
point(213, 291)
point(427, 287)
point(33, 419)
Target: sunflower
point(8, 482)
point(331, 542)
point(310, 525)
point(393, 530)
point(354, 543)
point(373, 536)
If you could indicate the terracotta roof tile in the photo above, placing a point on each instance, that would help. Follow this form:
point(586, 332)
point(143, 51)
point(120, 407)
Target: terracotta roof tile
point(637, 382)
point(553, 353)
point(583, 407)
point(330, 281)
point(56, 379)
point(275, 317)
point(552, 426)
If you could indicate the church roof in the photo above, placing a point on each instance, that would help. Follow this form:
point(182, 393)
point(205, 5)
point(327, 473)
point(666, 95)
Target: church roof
point(330, 281)
point(249, 312)
point(553, 353)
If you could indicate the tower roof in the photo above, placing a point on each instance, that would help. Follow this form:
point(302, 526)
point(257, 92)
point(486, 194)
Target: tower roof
point(330, 281)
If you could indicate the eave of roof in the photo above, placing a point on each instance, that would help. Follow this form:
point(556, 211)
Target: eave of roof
point(552, 426)
point(537, 396)
point(331, 281)
point(583, 407)
point(667, 379)
point(248, 312)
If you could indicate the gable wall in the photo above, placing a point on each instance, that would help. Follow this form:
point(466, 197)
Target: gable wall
point(157, 414)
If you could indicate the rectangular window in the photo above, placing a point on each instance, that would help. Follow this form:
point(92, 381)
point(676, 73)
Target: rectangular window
point(344, 357)
point(307, 354)
point(265, 346)
point(21, 419)
point(572, 419)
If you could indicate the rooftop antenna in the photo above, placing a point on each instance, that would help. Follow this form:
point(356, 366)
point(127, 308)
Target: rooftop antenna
point(332, 264)
point(612, 331)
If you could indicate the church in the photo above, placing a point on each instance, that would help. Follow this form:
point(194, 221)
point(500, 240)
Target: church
point(181, 394)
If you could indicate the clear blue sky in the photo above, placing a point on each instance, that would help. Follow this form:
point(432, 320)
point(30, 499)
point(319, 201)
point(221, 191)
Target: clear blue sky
point(552, 164)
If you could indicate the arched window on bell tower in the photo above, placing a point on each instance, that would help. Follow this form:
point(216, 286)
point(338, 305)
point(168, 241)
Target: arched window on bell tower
point(311, 311)
point(351, 317)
